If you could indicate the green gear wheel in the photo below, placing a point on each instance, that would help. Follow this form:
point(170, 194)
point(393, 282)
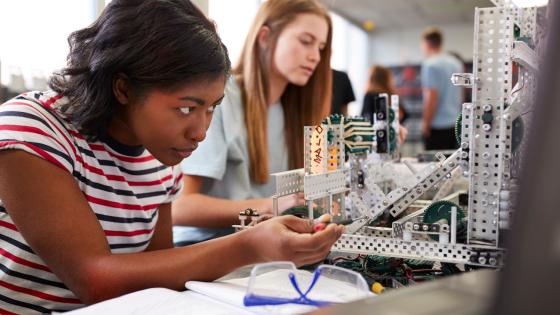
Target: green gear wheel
point(392, 139)
point(391, 115)
point(441, 210)
point(458, 124)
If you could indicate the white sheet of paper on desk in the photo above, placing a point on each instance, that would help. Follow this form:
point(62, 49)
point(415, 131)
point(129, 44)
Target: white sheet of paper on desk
point(232, 291)
point(161, 301)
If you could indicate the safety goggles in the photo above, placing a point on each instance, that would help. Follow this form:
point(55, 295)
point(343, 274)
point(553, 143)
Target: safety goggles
point(278, 283)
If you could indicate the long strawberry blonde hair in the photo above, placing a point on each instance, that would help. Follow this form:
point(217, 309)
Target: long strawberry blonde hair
point(303, 105)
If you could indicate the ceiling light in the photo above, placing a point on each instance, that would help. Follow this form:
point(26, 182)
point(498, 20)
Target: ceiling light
point(529, 3)
point(368, 25)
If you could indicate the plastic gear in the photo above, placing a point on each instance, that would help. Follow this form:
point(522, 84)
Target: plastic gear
point(442, 210)
point(458, 128)
point(391, 115)
point(392, 139)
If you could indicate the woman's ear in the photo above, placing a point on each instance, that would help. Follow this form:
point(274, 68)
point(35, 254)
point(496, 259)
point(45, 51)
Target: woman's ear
point(263, 37)
point(121, 89)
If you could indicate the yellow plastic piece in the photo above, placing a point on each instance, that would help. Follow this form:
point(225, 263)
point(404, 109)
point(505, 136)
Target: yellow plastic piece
point(333, 158)
point(377, 288)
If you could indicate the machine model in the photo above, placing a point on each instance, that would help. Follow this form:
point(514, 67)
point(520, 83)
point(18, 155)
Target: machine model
point(349, 168)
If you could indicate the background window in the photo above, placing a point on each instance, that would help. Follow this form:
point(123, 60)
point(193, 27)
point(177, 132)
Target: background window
point(34, 38)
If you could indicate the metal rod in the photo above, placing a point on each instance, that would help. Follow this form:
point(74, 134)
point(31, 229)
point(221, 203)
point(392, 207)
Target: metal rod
point(453, 225)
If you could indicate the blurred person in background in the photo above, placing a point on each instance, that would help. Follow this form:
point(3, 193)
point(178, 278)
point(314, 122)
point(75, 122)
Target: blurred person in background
point(381, 81)
point(442, 100)
point(342, 92)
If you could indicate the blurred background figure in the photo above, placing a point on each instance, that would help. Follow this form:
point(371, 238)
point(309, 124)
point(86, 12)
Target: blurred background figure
point(380, 81)
point(342, 92)
point(442, 100)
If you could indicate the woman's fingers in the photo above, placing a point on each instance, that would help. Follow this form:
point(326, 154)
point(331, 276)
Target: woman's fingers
point(321, 240)
point(296, 224)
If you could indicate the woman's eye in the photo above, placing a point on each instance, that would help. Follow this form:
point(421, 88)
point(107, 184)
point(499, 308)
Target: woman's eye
point(186, 110)
point(212, 108)
point(306, 41)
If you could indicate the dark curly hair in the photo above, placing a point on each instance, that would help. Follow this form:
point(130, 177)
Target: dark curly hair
point(153, 43)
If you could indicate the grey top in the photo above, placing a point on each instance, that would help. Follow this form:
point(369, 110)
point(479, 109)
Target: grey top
point(222, 159)
point(436, 73)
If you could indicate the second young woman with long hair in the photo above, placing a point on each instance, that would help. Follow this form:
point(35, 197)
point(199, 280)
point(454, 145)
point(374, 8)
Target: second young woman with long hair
point(381, 80)
point(281, 83)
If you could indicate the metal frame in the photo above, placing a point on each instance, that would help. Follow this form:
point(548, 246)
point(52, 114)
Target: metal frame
point(287, 183)
point(479, 255)
point(486, 156)
point(487, 145)
point(322, 185)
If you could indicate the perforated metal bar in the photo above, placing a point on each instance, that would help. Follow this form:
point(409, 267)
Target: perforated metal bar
point(289, 182)
point(321, 185)
point(467, 122)
point(447, 186)
point(416, 249)
point(315, 149)
point(439, 173)
point(490, 153)
point(490, 140)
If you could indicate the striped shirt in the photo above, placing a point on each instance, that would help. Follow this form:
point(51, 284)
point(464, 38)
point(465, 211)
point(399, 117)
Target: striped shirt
point(123, 185)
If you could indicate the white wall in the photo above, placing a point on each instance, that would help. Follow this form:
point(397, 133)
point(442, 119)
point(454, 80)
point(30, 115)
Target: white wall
point(349, 54)
point(34, 38)
point(202, 5)
point(233, 20)
point(400, 47)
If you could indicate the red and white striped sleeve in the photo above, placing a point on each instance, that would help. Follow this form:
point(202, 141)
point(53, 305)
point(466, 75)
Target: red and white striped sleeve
point(30, 126)
point(177, 184)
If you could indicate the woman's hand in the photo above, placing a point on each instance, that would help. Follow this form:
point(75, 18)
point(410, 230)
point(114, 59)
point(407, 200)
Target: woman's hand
point(291, 238)
point(403, 133)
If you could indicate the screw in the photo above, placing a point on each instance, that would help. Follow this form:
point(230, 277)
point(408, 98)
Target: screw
point(482, 260)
